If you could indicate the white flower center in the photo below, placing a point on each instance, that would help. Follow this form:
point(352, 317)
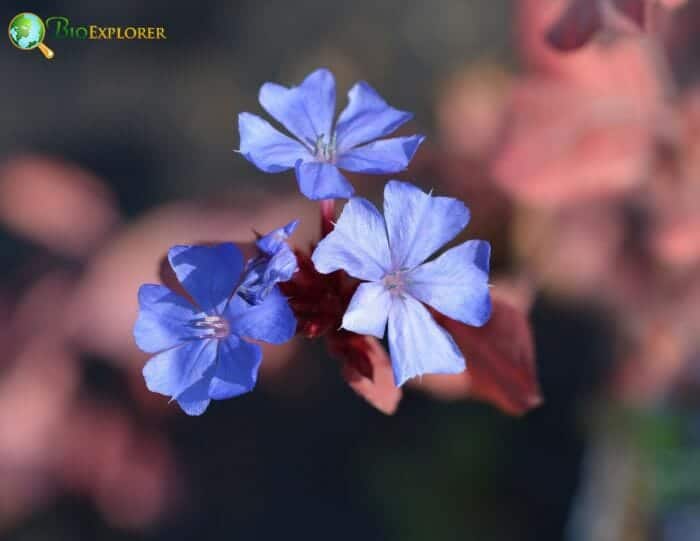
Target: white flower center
point(395, 282)
point(325, 149)
point(214, 326)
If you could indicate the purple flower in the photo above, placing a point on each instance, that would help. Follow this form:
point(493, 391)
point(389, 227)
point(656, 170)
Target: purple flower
point(202, 348)
point(319, 149)
point(275, 263)
point(389, 252)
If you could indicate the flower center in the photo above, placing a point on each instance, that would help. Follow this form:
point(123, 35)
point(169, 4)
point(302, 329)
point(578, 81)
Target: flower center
point(395, 282)
point(214, 326)
point(325, 149)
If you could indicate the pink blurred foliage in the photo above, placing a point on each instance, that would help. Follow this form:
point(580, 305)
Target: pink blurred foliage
point(470, 114)
point(675, 190)
point(469, 110)
point(40, 199)
point(129, 473)
point(580, 126)
point(579, 21)
point(52, 439)
point(599, 152)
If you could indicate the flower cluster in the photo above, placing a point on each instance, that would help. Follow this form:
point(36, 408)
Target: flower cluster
point(389, 253)
point(202, 340)
point(318, 149)
point(378, 267)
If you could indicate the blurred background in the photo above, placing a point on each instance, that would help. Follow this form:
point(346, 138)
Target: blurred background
point(580, 166)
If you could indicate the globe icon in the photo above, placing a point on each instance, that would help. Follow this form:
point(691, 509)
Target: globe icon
point(27, 32)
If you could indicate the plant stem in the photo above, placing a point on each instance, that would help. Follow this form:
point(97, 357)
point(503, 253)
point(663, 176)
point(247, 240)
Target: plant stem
point(327, 216)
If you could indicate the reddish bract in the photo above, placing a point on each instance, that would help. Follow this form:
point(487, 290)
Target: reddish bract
point(367, 369)
point(500, 357)
point(317, 300)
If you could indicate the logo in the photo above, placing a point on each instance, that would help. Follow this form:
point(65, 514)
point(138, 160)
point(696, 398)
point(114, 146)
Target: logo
point(27, 31)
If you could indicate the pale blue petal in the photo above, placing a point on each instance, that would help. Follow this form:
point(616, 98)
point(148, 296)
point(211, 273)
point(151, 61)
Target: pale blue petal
point(367, 117)
point(266, 148)
point(175, 370)
point(368, 310)
point(381, 157)
point(306, 110)
point(236, 369)
point(208, 273)
point(456, 283)
point(319, 180)
point(419, 224)
point(165, 319)
point(357, 244)
point(195, 400)
point(417, 344)
point(270, 321)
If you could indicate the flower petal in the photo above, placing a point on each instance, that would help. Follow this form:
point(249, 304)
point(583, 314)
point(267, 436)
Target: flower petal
point(195, 400)
point(281, 267)
point(357, 244)
point(208, 273)
point(418, 224)
point(366, 118)
point(175, 370)
point(305, 110)
point(270, 321)
point(319, 180)
point(236, 369)
point(381, 157)
point(164, 319)
point(456, 283)
point(417, 344)
point(275, 263)
point(266, 148)
point(275, 240)
point(368, 310)
point(264, 273)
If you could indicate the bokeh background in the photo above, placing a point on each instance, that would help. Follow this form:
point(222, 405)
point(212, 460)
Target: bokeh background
point(115, 150)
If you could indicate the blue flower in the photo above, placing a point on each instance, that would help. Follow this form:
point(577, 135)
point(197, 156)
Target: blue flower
point(275, 263)
point(202, 347)
point(389, 252)
point(319, 149)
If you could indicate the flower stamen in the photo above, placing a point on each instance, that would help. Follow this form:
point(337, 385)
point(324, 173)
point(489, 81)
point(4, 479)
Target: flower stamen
point(325, 151)
point(395, 282)
point(215, 326)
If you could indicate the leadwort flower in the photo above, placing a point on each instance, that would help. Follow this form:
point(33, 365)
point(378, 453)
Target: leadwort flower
point(320, 148)
point(275, 263)
point(202, 347)
point(389, 253)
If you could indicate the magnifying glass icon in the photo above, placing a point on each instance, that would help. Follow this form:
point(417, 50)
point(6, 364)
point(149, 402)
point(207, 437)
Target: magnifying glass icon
point(27, 31)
